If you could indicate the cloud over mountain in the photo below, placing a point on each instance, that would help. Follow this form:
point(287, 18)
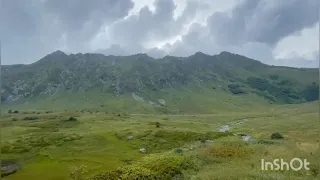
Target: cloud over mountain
point(268, 30)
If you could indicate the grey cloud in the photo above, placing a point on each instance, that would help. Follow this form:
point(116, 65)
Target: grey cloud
point(73, 14)
point(264, 21)
point(252, 29)
point(31, 29)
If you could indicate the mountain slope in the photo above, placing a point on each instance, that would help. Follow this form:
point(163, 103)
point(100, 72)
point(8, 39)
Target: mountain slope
point(168, 84)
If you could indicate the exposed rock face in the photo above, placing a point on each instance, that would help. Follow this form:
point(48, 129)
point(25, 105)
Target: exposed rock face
point(162, 102)
point(9, 167)
point(224, 128)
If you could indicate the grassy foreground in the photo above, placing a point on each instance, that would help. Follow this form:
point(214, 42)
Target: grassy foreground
point(98, 145)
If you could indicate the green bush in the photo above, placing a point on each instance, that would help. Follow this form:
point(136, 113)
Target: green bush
point(33, 143)
point(149, 168)
point(227, 151)
point(72, 119)
point(157, 124)
point(77, 173)
point(315, 169)
point(236, 89)
point(10, 111)
point(16, 111)
point(276, 136)
point(283, 91)
point(258, 83)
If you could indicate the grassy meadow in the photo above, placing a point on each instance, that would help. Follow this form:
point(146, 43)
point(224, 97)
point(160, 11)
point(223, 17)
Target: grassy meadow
point(94, 145)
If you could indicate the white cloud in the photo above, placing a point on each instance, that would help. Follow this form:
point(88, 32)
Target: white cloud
point(304, 44)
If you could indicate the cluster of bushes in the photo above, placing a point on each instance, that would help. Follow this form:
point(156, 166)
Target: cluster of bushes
point(30, 143)
point(283, 90)
point(13, 112)
point(236, 89)
point(72, 119)
point(151, 167)
point(276, 136)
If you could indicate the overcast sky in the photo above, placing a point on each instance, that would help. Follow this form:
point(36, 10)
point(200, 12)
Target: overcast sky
point(279, 32)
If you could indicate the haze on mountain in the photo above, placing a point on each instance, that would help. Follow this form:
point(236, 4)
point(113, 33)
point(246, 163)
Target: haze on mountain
point(273, 32)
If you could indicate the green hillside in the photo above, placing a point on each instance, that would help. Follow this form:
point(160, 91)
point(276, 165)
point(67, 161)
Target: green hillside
point(138, 83)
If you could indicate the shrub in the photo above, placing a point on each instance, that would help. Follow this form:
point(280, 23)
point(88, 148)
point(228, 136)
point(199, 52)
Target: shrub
point(178, 151)
point(16, 111)
point(202, 140)
point(151, 167)
point(157, 124)
point(14, 119)
point(72, 119)
point(77, 173)
point(276, 136)
point(33, 143)
point(315, 169)
point(10, 111)
point(236, 89)
point(31, 118)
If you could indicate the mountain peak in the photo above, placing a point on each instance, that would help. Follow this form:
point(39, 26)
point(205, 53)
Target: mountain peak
point(200, 54)
point(58, 52)
point(225, 53)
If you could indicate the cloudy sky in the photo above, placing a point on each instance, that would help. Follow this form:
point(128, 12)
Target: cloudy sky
point(279, 32)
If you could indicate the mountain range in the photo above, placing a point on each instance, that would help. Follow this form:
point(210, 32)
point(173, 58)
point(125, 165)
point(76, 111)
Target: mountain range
point(139, 83)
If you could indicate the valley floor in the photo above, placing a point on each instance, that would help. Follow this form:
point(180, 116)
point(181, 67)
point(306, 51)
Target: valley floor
point(78, 145)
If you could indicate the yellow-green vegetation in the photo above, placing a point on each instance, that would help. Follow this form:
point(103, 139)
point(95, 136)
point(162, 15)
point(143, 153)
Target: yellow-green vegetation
point(157, 166)
point(79, 145)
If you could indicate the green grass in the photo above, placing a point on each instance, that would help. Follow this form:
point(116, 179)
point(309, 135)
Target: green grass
point(49, 146)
